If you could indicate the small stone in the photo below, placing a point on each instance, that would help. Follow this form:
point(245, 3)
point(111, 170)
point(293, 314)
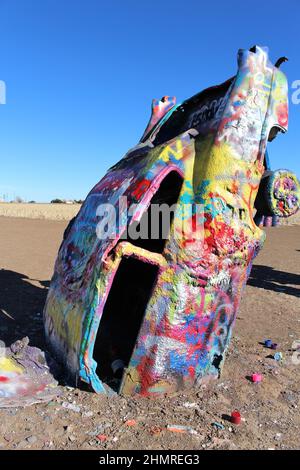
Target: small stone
point(22, 444)
point(31, 439)
point(87, 414)
point(190, 405)
point(48, 444)
point(71, 406)
point(68, 428)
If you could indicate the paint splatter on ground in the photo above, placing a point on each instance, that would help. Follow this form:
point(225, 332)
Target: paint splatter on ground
point(270, 309)
point(25, 376)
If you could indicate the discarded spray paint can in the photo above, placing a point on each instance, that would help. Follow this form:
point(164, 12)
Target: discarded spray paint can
point(256, 378)
point(236, 417)
point(278, 356)
point(268, 343)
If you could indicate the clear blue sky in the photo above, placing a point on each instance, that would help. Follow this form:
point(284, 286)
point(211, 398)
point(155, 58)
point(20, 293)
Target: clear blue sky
point(81, 74)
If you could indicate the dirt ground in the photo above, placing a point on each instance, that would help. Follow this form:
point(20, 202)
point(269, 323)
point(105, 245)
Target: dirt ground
point(270, 410)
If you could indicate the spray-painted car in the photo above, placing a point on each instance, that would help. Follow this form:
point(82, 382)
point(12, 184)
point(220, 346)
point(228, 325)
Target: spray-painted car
point(163, 307)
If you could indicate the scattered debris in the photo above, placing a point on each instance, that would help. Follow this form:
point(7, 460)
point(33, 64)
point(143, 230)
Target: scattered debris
point(190, 405)
point(155, 430)
point(71, 406)
point(218, 425)
point(99, 429)
point(130, 422)
point(181, 429)
point(101, 437)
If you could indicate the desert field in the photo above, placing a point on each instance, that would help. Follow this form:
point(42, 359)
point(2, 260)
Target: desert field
point(39, 211)
point(270, 410)
point(68, 211)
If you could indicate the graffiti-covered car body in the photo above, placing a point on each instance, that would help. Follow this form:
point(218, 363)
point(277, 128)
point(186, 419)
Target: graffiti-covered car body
point(166, 307)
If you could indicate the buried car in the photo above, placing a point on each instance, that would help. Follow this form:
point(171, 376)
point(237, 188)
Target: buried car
point(154, 314)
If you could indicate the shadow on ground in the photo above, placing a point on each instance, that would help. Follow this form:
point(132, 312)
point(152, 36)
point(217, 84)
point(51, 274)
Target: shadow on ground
point(21, 307)
point(268, 278)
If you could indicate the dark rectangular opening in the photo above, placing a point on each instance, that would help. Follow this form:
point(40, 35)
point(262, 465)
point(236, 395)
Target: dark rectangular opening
point(158, 228)
point(122, 317)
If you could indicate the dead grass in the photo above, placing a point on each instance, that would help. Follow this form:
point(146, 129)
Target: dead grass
point(39, 211)
point(294, 220)
point(68, 211)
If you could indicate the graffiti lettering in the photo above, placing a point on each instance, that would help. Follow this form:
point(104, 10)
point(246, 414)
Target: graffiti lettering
point(206, 113)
